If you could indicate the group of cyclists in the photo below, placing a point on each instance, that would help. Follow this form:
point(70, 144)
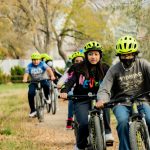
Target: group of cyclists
point(88, 74)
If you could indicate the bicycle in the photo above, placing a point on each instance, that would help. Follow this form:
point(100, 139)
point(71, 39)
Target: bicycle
point(138, 131)
point(96, 138)
point(53, 98)
point(39, 100)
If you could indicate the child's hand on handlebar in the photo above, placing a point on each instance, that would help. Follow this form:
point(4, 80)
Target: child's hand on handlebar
point(63, 95)
point(52, 78)
point(100, 104)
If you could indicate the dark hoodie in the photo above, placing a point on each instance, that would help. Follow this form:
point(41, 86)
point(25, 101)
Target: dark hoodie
point(85, 77)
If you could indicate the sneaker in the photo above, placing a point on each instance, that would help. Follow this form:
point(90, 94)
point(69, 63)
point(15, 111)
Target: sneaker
point(69, 124)
point(109, 137)
point(33, 114)
point(76, 148)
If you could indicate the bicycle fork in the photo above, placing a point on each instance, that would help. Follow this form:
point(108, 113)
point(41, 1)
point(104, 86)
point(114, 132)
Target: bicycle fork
point(147, 131)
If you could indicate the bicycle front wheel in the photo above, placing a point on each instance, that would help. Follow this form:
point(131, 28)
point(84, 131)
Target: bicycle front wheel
point(95, 133)
point(39, 104)
point(48, 105)
point(53, 100)
point(138, 136)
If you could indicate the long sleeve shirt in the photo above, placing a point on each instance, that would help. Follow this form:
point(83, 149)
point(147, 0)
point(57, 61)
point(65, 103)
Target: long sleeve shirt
point(121, 82)
point(83, 84)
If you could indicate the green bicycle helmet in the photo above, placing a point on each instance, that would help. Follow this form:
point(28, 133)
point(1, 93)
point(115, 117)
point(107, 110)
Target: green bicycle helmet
point(46, 57)
point(70, 57)
point(43, 55)
point(126, 45)
point(36, 55)
point(77, 54)
point(93, 45)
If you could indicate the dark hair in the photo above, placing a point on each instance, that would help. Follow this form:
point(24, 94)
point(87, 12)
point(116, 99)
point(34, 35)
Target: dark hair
point(84, 67)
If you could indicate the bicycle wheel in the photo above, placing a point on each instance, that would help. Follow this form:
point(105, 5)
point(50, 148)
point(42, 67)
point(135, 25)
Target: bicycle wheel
point(39, 104)
point(75, 127)
point(95, 133)
point(138, 136)
point(103, 132)
point(53, 99)
point(48, 105)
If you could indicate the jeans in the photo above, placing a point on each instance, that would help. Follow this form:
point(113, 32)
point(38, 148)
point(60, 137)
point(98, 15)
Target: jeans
point(122, 114)
point(81, 110)
point(31, 92)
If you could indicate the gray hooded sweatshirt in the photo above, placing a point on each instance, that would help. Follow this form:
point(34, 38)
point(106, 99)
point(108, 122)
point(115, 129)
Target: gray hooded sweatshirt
point(121, 82)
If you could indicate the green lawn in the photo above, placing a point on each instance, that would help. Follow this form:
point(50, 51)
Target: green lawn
point(11, 87)
point(14, 117)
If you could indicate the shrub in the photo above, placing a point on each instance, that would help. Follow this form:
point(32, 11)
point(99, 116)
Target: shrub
point(17, 74)
point(4, 78)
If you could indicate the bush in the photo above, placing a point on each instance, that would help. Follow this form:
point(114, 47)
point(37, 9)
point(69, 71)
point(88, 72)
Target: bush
point(17, 73)
point(3, 77)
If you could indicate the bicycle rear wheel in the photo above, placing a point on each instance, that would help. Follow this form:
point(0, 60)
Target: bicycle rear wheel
point(95, 133)
point(39, 104)
point(54, 97)
point(138, 136)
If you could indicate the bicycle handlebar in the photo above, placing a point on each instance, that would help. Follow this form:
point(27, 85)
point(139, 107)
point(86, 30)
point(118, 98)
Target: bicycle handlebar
point(136, 98)
point(36, 81)
point(77, 97)
point(74, 97)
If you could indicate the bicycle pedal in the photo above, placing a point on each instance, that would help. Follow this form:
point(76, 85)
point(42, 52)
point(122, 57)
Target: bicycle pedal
point(109, 143)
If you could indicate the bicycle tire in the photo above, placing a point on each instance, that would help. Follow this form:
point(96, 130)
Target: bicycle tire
point(53, 99)
point(103, 133)
point(39, 104)
point(75, 127)
point(95, 133)
point(48, 106)
point(138, 136)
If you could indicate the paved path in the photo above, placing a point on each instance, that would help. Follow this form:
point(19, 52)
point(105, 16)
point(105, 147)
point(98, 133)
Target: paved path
point(62, 139)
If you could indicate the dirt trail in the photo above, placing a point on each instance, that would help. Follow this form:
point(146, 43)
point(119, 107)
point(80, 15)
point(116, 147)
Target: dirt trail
point(60, 138)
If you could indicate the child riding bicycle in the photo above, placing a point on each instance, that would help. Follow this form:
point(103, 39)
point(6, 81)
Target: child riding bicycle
point(76, 57)
point(86, 77)
point(127, 78)
point(49, 61)
point(36, 70)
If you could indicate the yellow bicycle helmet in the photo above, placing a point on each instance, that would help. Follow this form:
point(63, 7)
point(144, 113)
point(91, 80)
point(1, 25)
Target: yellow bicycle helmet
point(36, 55)
point(70, 57)
point(43, 55)
point(93, 45)
point(126, 44)
point(46, 57)
point(77, 54)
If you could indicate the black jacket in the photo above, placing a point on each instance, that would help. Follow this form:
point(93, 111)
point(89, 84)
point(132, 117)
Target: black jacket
point(85, 78)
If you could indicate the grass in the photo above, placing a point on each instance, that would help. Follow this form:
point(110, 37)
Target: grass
point(16, 131)
point(9, 87)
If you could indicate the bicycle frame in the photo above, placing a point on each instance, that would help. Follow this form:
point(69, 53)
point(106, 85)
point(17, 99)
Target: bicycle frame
point(54, 97)
point(136, 116)
point(92, 114)
point(39, 102)
point(95, 122)
point(137, 123)
point(39, 99)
